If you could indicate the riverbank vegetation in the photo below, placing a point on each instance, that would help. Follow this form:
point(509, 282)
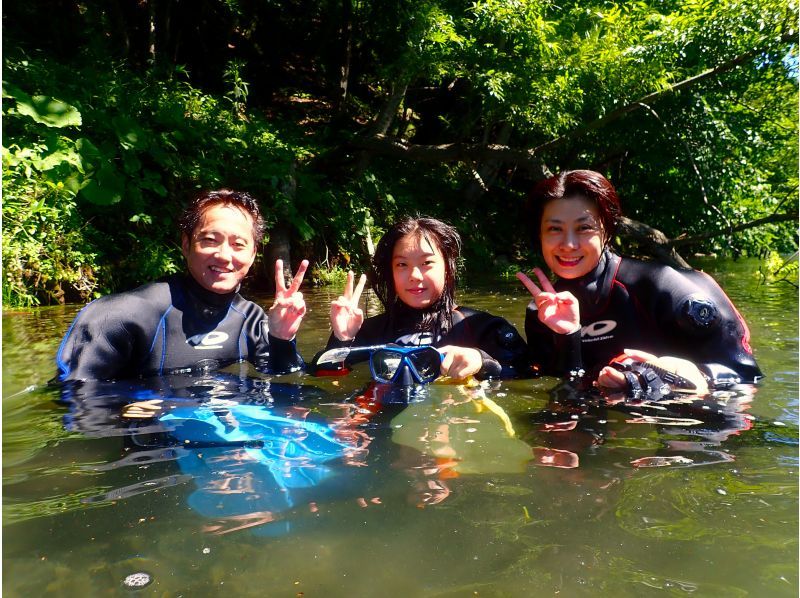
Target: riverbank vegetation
point(342, 114)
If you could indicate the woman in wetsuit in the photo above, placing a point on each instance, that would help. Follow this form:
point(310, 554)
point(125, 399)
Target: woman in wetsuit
point(195, 320)
point(616, 303)
point(414, 275)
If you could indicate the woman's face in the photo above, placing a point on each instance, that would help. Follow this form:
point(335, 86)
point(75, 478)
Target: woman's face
point(572, 236)
point(418, 270)
point(221, 249)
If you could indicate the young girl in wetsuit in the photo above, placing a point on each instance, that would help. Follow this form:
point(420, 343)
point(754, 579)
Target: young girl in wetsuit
point(414, 276)
point(618, 304)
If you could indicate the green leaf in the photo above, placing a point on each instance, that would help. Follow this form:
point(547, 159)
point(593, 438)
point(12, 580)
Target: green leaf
point(45, 110)
point(105, 188)
point(129, 133)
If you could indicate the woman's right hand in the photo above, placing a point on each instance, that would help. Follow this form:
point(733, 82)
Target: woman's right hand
point(346, 317)
point(558, 311)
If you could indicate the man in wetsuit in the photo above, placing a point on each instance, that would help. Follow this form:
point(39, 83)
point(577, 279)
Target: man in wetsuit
point(197, 320)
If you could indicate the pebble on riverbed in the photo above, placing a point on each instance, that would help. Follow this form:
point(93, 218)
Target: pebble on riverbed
point(137, 580)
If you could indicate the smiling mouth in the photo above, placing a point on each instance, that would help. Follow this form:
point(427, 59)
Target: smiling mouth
point(217, 270)
point(568, 262)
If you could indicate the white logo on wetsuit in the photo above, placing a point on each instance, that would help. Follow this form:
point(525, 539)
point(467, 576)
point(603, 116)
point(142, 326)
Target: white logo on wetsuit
point(212, 340)
point(597, 329)
point(415, 339)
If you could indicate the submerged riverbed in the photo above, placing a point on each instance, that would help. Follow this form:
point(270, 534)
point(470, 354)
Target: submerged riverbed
point(505, 489)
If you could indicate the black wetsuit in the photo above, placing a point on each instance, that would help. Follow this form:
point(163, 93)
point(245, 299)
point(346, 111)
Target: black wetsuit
point(627, 303)
point(170, 326)
point(500, 345)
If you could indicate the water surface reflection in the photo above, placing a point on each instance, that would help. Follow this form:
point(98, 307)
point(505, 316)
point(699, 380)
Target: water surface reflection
point(236, 482)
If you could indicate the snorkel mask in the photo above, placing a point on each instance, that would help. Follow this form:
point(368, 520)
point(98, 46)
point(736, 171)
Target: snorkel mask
point(405, 366)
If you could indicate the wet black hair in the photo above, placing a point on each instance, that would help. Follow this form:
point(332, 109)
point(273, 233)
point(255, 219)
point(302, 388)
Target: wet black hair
point(437, 318)
point(205, 200)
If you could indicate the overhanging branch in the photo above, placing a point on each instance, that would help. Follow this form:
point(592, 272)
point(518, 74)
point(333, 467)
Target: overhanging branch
point(772, 218)
point(453, 152)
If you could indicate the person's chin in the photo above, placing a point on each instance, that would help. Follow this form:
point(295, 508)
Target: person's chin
point(569, 272)
point(223, 286)
point(419, 303)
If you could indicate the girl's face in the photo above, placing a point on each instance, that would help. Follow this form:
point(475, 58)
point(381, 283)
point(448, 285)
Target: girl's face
point(221, 249)
point(418, 269)
point(572, 236)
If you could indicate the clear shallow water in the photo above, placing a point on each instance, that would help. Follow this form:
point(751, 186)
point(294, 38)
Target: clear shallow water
point(459, 494)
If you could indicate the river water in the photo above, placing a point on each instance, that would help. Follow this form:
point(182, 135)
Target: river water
point(508, 489)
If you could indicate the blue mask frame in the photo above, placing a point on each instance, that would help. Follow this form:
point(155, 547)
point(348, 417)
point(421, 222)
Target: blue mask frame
point(405, 365)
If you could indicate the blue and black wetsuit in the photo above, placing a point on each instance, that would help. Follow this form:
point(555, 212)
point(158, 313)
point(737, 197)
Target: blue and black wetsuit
point(170, 326)
point(627, 303)
point(502, 348)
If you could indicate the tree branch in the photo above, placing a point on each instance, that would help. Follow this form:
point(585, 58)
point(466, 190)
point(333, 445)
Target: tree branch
point(658, 245)
point(657, 95)
point(452, 152)
point(653, 241)
point(683, 241)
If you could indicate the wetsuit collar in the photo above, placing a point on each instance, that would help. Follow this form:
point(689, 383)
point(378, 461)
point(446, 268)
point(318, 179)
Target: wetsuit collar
point(207, 303)
point(404, 319)
point(592, 289)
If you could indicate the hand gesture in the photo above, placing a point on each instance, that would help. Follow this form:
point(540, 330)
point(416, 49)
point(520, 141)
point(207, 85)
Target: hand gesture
point(460, 362)
point(558, 311)
point(346, 317)
point(287, 312)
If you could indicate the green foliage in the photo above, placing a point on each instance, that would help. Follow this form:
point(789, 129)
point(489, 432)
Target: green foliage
point(322, 275)
point(46, 256)
point(112, 135)
point(778, 268)
point(119, 171)
point(239, 88)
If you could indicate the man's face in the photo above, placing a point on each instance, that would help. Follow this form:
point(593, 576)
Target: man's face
point(221, 249)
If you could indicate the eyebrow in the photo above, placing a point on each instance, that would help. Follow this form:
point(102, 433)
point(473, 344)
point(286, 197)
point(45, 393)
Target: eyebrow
point(581, 219)
point(405, 257)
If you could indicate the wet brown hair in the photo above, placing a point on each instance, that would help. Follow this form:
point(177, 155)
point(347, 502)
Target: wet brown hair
point(205, 200)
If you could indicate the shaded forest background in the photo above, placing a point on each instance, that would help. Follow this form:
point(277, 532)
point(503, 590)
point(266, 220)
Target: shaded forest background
point(340, 115)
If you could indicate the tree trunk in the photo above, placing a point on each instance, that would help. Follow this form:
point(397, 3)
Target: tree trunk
point(384, 119)
point(347, 54)
point(389, 111)
point(279, 247)
point(151, 33)
point(484, 174)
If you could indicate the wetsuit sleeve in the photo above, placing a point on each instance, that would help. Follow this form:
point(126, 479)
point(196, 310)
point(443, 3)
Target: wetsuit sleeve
point(502, 349)
point(99, 344)
point(549, 353)
point(697, 320)
point(272, 355)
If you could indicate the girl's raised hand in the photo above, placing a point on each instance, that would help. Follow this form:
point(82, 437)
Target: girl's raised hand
point(558, 311)
point(287, 312)
point(346, 317)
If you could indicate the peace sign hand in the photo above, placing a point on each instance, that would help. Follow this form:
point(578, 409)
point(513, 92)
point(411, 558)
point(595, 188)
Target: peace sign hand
point(287, 312)
point(346, 317)
point(558, 311)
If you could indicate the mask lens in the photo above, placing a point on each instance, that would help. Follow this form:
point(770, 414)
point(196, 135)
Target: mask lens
point(384, 364)
point(427, 362)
